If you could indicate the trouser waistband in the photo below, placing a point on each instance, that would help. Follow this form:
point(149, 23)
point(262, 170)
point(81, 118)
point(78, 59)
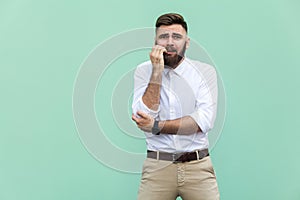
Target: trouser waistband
point(178, 157)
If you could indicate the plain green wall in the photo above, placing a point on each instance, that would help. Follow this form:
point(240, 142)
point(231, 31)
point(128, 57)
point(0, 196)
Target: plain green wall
point(254, 44)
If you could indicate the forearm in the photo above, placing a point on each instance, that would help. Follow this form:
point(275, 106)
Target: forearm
point(151, 96)
point(181, 126)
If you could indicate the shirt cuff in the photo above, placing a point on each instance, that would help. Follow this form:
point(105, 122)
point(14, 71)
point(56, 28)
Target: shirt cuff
point(140, 106)
point(201, 121)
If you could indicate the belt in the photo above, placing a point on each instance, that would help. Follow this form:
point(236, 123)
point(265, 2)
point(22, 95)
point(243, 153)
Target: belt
point(178, 157)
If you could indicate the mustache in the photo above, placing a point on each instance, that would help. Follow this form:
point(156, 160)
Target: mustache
point(170, 49)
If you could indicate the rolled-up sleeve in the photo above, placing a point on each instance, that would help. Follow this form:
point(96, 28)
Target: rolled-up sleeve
point(206, 103)
point(141, 79)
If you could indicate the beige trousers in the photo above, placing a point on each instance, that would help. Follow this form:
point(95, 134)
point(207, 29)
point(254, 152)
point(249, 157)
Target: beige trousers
point(164, 180)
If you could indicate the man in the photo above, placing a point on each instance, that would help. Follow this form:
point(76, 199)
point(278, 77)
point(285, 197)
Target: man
point(175, 102)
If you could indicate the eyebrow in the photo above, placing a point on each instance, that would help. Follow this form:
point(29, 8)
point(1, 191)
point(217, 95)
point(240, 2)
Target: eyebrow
point(163, 35)
point(167, 34)
point(177, 34)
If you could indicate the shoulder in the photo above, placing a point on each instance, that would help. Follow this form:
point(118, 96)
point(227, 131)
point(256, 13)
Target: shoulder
point(200, 65)
point(143, 70)
point(144, 65)
point(202, 68)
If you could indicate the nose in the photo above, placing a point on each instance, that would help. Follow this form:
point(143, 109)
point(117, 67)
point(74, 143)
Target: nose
point(170, 41)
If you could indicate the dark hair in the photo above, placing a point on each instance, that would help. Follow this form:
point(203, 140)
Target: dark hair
point(169, 19)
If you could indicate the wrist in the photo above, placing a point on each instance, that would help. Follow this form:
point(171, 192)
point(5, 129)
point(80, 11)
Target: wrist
point(155, 128)
point(157, 72)
point(156, 77)
point(161, 125)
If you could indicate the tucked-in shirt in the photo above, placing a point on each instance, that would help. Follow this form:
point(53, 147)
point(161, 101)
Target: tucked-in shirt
point(188, 90)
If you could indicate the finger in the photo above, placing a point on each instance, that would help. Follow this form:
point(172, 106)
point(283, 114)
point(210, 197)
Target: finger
point(158, 46)
point(154, 57)
point(161, 48)
point(158, 51)
point(136, 119)
point(160, 54)
point(142, 114)
point(133, 117)
point(156, 54)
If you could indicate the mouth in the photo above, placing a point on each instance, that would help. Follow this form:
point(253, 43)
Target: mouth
point(170, 49)
point(171, 53)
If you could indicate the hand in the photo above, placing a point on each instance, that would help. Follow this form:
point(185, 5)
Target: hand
point(157, 58)
point(144, 122)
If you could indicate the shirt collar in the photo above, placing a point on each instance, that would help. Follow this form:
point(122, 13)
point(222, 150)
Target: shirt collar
point(178, 70)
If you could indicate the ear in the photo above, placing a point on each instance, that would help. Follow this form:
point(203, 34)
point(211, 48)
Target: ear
point(187, 42)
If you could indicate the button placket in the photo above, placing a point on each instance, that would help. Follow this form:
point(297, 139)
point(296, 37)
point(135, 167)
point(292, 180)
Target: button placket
point(180, 173)
point(172, 97)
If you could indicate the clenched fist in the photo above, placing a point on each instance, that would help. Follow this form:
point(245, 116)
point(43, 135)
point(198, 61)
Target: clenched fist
point(157, 58)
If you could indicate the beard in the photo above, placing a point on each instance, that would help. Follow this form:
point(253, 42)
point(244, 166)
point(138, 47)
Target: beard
point(173, 60)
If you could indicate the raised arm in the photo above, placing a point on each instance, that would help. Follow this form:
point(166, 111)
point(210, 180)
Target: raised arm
point(151, 96)
point(147, 84)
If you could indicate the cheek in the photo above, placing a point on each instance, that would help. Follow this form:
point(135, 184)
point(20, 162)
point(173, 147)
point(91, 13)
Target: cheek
point(180, 45)
point(177, 47)
point(161, 42)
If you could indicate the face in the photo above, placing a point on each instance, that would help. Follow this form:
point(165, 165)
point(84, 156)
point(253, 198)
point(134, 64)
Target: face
point(175, 40)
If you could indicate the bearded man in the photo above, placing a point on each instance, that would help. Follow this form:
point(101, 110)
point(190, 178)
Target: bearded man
point(175, 104)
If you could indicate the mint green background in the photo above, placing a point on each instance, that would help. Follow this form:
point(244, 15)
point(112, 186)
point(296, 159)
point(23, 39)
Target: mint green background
point(255, 45)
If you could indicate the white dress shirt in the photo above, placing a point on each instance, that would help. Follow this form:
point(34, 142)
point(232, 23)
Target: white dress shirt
point(188, 90)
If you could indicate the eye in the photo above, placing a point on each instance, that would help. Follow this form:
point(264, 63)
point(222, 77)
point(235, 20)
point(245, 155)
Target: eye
point(164, 36)
point(177, 37)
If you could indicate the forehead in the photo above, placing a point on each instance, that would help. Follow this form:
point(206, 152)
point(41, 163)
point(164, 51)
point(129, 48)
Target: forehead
point(174, 28)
